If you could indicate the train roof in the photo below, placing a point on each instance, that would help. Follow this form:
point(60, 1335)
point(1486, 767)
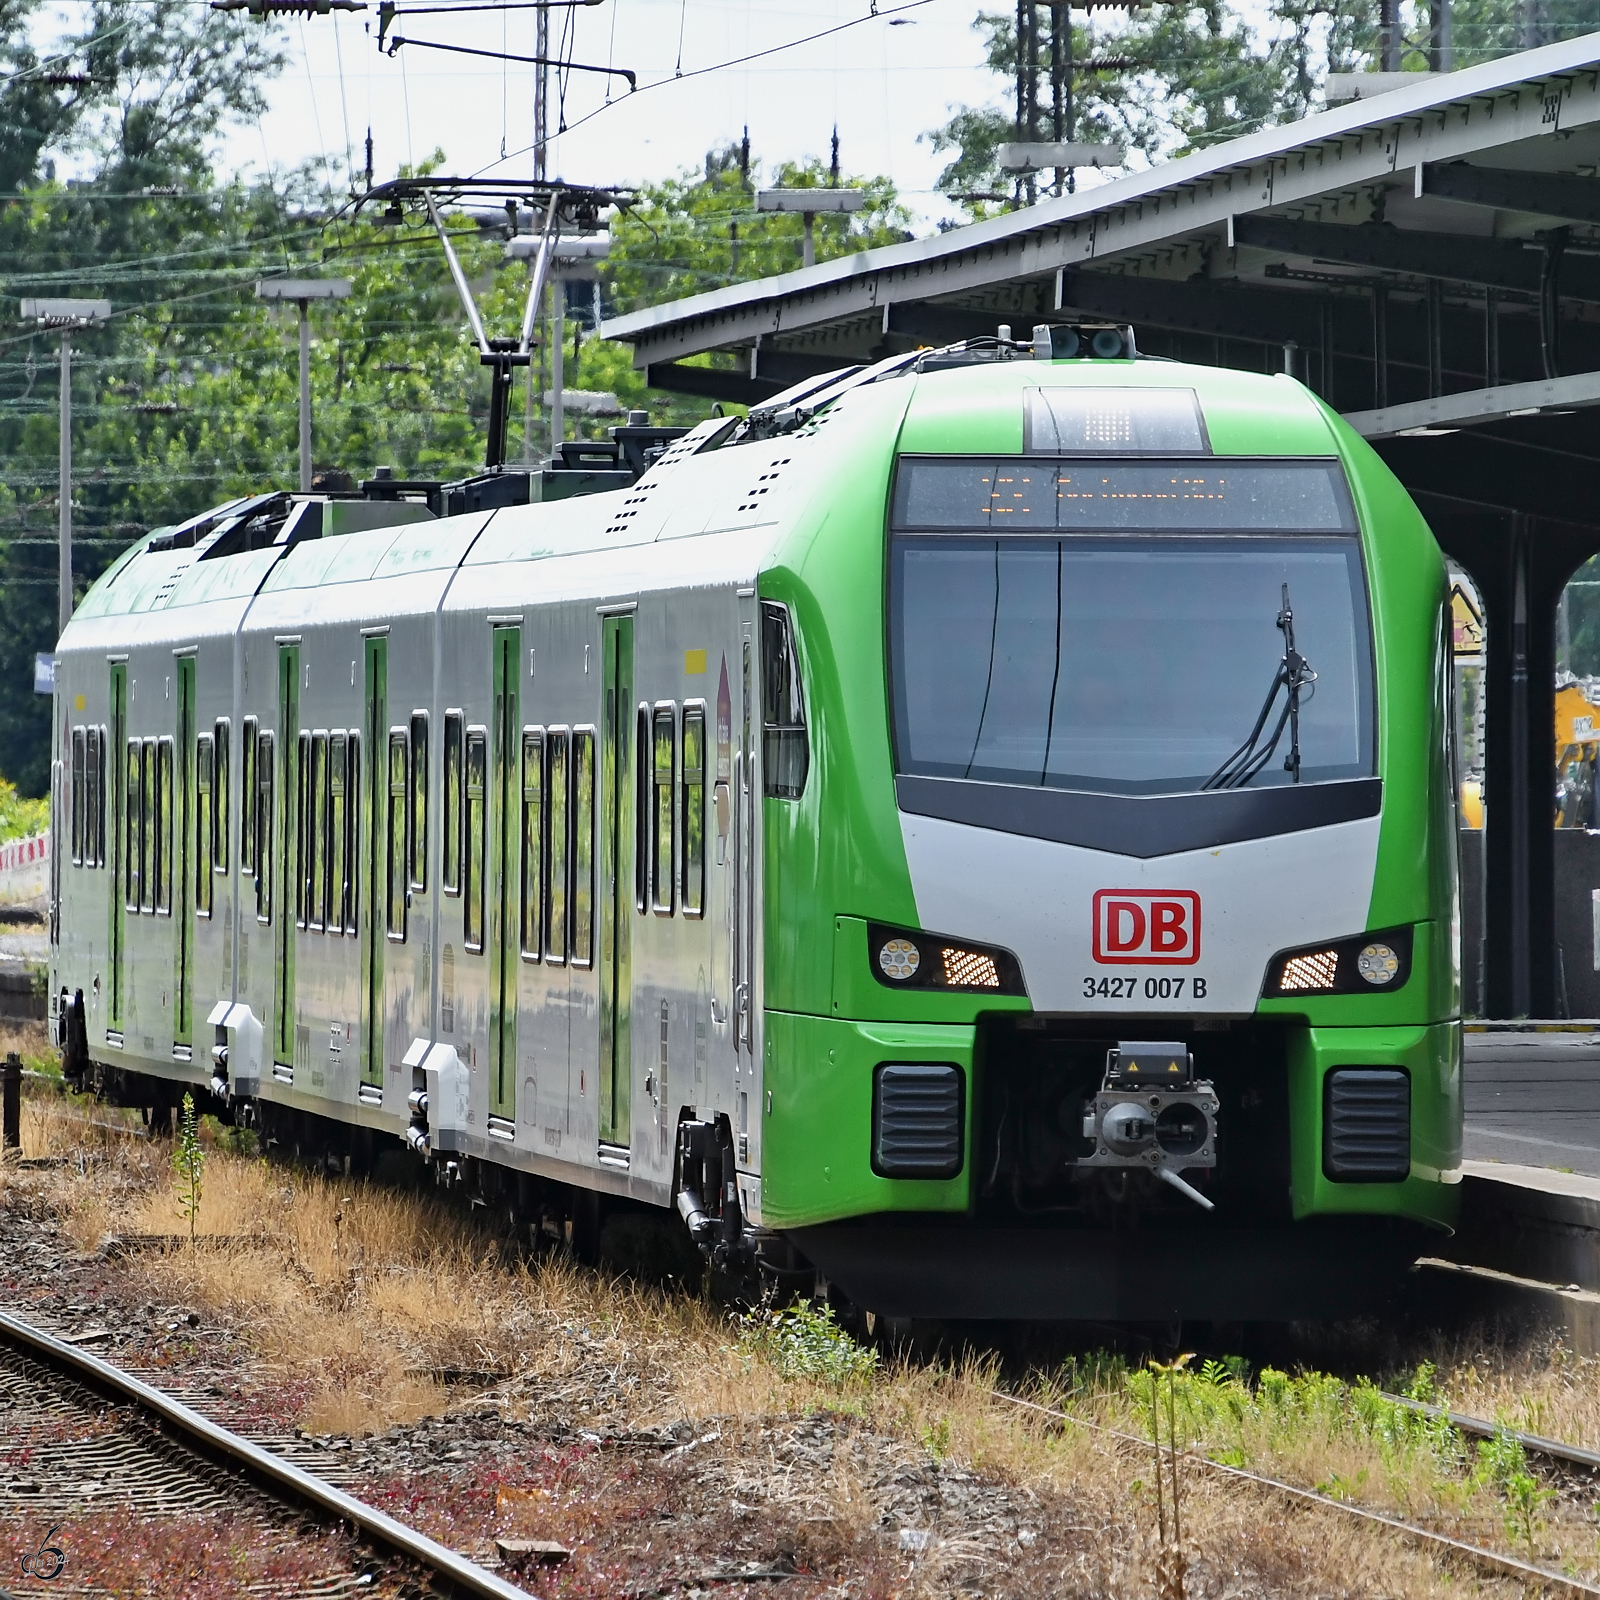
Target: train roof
point(723, 478)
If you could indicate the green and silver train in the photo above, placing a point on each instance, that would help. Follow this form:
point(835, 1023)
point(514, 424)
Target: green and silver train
point(974, 837)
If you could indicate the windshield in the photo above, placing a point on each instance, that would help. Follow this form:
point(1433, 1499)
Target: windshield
point(1133, 663)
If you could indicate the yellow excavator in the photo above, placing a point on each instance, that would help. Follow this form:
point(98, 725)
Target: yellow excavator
point(1577, 752)
point(1577, 730)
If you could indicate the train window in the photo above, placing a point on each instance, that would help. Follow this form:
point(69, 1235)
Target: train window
point(202, 825)
point(219, 799)
point(555, 847)
point(164, 827)
point(692, 888)
point(583, 847)
point(76, 801)
point(419, 799)
point(148, 865)
point(395, 851)
point(785, 749)
point(641, 810)
point(473, 853)
point(264, 824)
point(338, 859)
point(247, 796)
point(664, 740)
point(94, 822)
point(302, 770)
point(352, 843)
point(317, 834)
point(1009, 666)
point(450, 834)
point(532, 876)
point(131, 791)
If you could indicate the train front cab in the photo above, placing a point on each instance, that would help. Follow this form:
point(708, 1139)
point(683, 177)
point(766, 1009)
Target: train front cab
point(937, 1138)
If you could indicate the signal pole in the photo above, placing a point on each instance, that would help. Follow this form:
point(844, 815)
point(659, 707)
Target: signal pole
point(63, 316)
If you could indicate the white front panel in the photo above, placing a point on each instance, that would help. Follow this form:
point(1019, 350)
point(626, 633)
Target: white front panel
point(1245, 902)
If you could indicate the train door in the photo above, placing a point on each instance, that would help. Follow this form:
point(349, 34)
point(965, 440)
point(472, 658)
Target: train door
point(183, 1020)
point(618, 847)
point(382, 878)
point(505, 799)
point(119, 842)
point(744, 866)
point(290, 844)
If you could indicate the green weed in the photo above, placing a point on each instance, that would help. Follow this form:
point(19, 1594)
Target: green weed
point(937, 1437)
point(188, 1161)
point(806, 1342)
point(1503, 1466)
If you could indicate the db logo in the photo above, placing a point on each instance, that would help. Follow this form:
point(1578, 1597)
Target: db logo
point(1147, 927)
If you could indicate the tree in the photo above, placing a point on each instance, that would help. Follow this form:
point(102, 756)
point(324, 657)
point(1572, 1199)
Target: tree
point(142, 91)
point(1199, 73)
point(698, 232)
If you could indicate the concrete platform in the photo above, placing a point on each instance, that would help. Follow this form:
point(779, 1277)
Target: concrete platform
point(1527, 1250)
point(1532, 1096)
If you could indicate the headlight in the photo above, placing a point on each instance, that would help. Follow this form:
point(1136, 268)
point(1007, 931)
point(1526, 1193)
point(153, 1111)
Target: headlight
point(902, 959)
point(1378, 963)
point(1342, 966)
point(898, 959)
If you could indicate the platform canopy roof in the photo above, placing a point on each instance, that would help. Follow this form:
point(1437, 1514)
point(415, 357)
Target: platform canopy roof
point(1427, 258)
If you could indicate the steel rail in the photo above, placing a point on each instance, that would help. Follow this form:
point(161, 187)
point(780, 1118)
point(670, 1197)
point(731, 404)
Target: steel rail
point(455, 1572)
point(1535, 1444)
point(1510, 1566)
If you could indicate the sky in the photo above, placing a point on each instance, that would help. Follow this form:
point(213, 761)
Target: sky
point(884, 80)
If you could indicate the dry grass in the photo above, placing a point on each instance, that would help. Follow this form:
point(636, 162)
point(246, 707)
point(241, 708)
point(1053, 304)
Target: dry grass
point(357, 1301)
point(1545, 1390)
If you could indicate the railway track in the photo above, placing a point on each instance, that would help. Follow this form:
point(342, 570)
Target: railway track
point(1492, 1562)
point(78, 1434)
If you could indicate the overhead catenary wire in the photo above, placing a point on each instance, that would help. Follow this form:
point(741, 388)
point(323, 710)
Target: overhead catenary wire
point(879, 13)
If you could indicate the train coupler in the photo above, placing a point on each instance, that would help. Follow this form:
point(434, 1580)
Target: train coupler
point(1151, 1114)
point(708, 1194)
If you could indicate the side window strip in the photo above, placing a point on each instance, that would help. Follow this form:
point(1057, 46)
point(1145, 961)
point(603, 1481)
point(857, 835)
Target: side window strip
point(474, 851)
point(395, 849)
point(450, 833)
point(692, 826)
point(264, 824)
point(583, 847)
point(532, 852)
point(419, 799)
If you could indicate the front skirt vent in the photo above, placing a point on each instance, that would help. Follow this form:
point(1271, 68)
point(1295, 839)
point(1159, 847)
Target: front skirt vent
point(917, 1120)
point(1366, 1125)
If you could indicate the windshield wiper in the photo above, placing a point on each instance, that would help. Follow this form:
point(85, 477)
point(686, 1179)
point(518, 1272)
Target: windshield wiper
point(1293, 674)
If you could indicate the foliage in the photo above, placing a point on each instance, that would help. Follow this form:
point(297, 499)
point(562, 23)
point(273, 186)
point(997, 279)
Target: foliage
point(806, 1342)
point(1371, 1445)
point(1204, 71)
point(1503, 1464)
point(698, 232)
point(188, 1162)
point(19, 816)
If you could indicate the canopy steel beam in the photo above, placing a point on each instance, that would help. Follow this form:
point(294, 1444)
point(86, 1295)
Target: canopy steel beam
point(1478, 406)
point(1227, 310)
point(1460, 258)
point(1540, 194)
